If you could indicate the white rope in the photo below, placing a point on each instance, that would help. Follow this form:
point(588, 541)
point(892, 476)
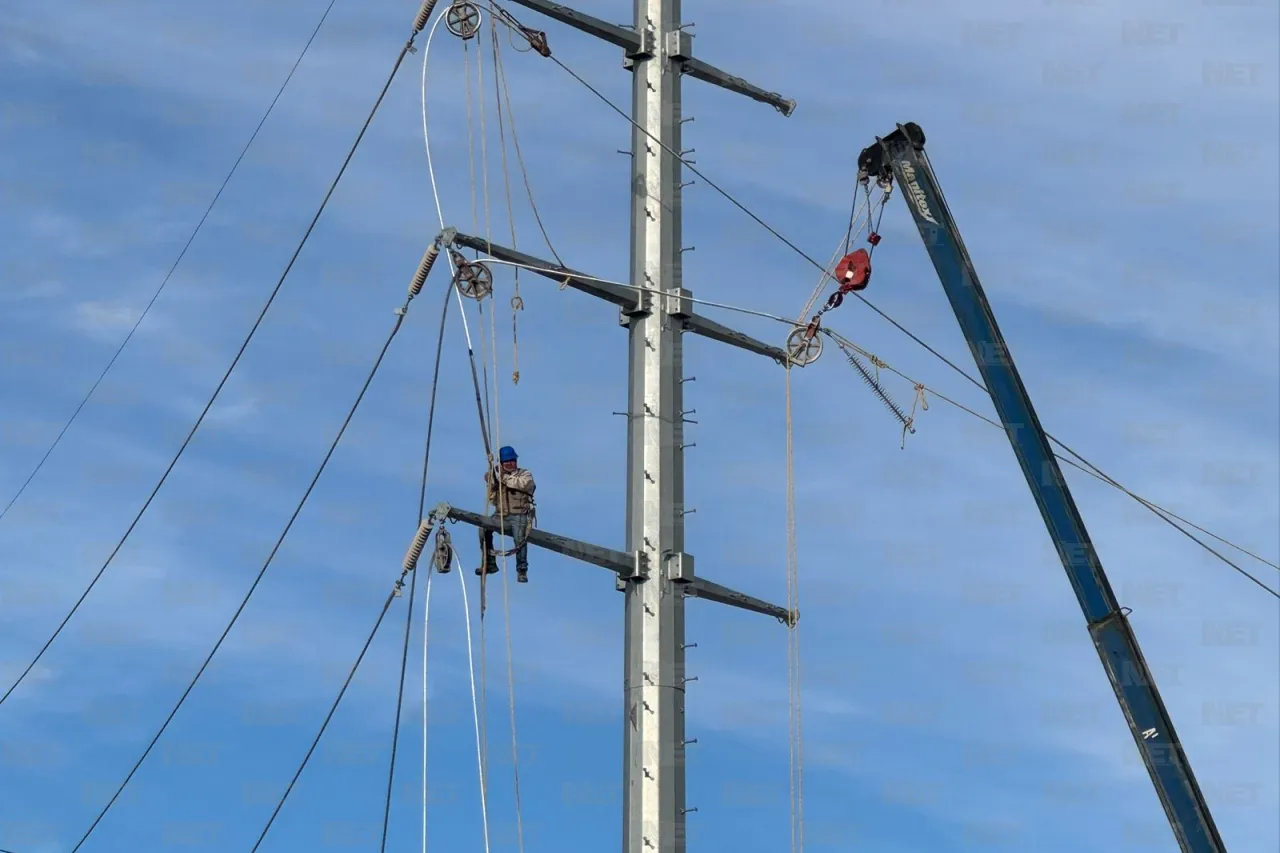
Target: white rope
point(426, 135)
point(471, 135)
point(484, 132)
point(431, 171)
point(475, 704)
point(517, 304)
point(495, 436)
point(795, 735)
point(495, 425)
point(435, 193)
point(426, 615)
point(495, 440)
point(480, 331)
point(490, 416)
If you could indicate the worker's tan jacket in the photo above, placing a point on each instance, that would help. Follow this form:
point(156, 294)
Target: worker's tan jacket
point(517, 489)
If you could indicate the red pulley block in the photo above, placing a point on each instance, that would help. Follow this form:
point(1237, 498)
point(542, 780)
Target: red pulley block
point(873, 238)
point(854, 271)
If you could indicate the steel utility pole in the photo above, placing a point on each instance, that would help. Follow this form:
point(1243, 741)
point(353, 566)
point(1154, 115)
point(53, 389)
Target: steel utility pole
point(655, 573)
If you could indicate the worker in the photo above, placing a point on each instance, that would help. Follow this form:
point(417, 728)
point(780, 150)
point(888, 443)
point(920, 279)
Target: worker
point(510, 491)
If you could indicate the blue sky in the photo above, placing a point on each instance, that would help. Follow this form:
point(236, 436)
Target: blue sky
point(1117, 187)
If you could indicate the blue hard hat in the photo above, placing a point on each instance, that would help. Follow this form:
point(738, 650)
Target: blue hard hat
point(507, 454)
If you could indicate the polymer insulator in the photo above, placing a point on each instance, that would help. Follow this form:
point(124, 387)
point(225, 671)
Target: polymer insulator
point(415, 547)
point(879, 391)
point(424, 270)
point(424, 14)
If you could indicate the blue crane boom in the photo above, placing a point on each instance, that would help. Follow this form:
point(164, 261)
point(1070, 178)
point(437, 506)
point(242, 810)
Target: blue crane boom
point(901, 156)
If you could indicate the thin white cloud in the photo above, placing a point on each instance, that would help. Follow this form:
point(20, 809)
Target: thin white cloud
point(98, 317)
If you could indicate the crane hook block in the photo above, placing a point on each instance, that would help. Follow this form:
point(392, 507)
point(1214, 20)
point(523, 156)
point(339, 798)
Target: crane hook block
point(854, 271)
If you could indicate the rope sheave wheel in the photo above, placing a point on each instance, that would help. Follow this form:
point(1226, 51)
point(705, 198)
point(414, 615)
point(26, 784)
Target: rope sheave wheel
point(473, 279)
point(463, 20)
point(804, 346)
point(443, 555)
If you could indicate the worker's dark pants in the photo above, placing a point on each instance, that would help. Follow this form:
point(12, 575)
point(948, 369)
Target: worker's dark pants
point(516, 526)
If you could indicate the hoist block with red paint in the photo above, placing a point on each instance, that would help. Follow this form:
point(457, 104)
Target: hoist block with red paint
point(854, 271)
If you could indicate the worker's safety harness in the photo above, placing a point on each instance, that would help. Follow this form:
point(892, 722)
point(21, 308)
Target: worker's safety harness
point(531, 521)
point(443, 556)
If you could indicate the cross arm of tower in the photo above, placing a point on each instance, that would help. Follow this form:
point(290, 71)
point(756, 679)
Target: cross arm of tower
point(711, 591)
point(625, 298)
point(640, 45)
point(618, 562)
point(629, 565)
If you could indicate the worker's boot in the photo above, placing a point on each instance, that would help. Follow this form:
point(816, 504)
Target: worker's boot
point(487, 557)
point(522, 574)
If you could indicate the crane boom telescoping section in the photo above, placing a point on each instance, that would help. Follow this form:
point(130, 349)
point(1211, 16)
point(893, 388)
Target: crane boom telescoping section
point(901, 155)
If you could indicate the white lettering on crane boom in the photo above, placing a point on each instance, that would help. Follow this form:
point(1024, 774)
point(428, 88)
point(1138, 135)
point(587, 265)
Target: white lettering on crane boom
point(918, 199)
